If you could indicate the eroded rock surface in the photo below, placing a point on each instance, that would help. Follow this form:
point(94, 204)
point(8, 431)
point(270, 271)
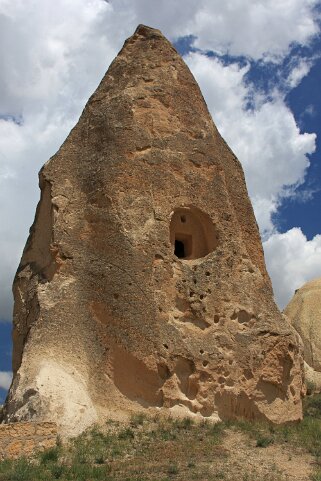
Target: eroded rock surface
point(143, 283)
point(304, 312)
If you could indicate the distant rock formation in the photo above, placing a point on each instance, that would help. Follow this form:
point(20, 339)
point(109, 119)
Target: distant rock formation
point(143, 285)
point(304, 312)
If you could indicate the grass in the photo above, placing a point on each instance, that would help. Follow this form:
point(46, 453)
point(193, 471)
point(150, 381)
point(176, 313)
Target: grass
point(159, 449)
point(306, 434)
point(264, 441)
point(166, 449)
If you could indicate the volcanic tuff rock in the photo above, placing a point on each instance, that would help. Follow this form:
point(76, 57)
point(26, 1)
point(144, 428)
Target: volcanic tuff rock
point(143, 283)
point(304, 312)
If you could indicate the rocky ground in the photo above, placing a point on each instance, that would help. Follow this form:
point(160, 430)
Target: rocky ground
point(159, 449)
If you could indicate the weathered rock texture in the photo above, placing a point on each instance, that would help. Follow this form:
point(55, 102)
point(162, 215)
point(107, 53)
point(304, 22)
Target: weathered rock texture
point(107, 319)
point(24, 439)
point(304, 312)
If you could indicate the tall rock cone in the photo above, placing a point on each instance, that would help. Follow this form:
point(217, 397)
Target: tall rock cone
point(142, 285)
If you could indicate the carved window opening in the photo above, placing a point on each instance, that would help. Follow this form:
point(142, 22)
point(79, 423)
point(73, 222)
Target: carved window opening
point(192, 233)
point(179, 249)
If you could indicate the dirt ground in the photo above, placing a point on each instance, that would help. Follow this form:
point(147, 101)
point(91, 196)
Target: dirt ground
point(248, 462)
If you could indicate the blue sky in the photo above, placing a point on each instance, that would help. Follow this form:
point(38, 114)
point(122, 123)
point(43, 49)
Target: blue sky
point(305, 103)
point(258, 64)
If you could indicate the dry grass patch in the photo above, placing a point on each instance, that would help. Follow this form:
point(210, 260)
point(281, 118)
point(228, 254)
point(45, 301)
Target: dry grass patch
point(165, 449)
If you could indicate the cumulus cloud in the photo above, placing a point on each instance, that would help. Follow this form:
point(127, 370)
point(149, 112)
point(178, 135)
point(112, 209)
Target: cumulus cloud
point(240, 27)
point(291, 260)
point(266, 138)
point(53, 56)
point(257, 29)
point(5, 379)
point(273, 153)
point(299, 72)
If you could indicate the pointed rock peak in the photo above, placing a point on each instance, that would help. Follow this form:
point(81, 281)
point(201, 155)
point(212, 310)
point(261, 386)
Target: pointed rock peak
point(143, 284)
point(147, 32)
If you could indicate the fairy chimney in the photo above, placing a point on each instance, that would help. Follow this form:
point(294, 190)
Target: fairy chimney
point(304, 313)
point(142, 286)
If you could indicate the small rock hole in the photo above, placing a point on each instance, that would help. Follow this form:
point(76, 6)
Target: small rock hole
point(207, 273)
point(205, 363)
point(166, 346)
point(201, 351)
point(216, 318)
point(243, 316)
point(183, 219)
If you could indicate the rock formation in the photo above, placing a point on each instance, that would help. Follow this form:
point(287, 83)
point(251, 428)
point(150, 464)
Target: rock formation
point(142, 285)
point(304, 312)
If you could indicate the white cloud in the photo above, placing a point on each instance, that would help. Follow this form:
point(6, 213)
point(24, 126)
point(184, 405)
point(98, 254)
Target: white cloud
point(241, 27)
point(5, 379)
point(257, 28)
point(310, 110)
point(273, 154)
point(53, 56)
point(299, 72)
point(291, 260)
point(266, 139)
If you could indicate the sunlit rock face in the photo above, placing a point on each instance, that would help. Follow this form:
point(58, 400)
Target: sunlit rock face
point(143, 285)
point(304, 313)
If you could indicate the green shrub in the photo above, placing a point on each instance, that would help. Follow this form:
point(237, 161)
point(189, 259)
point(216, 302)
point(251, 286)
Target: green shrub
point(49, 456)
point(264, 441)
point(316, 476)
point(167, 434)
point(86, 472)
point(312, 406)
point(310, 385)
point(185, 423)
point(172, 469)
point(137, 419)
point(57, 471)
point(126, 433)
point(99, 459)
point(22, 470)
